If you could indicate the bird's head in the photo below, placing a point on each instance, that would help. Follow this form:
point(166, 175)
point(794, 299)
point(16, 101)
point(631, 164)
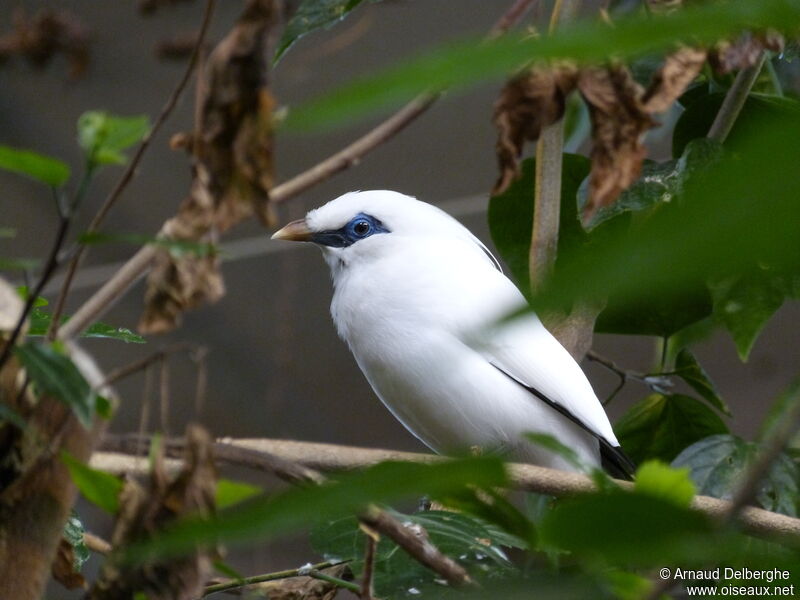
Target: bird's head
point(362, 225)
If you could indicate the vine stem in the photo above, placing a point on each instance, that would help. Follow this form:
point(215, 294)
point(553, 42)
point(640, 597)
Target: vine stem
point(547, 191)
point(245, 581)
point(734, 101)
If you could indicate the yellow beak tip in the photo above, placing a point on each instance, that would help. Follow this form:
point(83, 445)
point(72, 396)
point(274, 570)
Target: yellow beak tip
point(296, 231)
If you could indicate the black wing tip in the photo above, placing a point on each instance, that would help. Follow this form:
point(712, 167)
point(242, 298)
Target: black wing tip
point(615, 462)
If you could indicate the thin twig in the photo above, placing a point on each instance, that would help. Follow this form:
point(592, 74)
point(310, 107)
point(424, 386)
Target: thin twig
point(369, 565)
point(658, 383)
point(96, 543)
point(129, 172)
point(734, 101)
point(337, 581)
point(142, 363)
point(245, 581)
point(264, 454)
point(136, 267)
point(50, 266)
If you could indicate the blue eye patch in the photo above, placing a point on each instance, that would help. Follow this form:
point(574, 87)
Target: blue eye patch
point(361, 226)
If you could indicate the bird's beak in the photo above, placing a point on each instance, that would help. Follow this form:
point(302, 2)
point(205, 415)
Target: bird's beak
point(296, 231)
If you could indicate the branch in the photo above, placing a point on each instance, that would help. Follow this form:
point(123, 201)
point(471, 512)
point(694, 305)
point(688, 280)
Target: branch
point(734, 101)
point(245, 581)
point(137, 266)
point(127, 176)
point(331, 458)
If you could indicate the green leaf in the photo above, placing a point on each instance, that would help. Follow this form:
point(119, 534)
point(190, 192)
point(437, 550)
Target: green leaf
point(18, 264)
point(178, 248)
point(22, 291)
point(473, 541)
point(657, 479)
point(511, 215)
point(696, 120)
point(776, 415)
point(50, 171)
point(717, 463)
point(688, 369)
point(458, 65)
point(231, 492)
point(720, 227)
point(55, 374)
point(551, 443)
point(312, 15)
point(298, 508)
point(73, 533)
point(105, 137)
point(662, 425)
point(744, 304)
point(100, 488)
point(619, 527)
point(40, 324)
point(7, 232)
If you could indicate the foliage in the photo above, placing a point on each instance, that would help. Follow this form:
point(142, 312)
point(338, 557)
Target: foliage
point(104, 137)
point(53, 372)
point(312, 15)
point(50, 171)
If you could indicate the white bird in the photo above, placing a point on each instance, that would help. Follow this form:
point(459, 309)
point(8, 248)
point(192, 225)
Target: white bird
point(421, 303)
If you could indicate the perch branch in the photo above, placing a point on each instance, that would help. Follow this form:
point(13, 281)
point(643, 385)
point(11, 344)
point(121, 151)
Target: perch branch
point(138, 264)
point(332, 458)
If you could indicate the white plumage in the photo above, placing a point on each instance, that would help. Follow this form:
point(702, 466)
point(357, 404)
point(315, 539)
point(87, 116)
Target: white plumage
point(419, 301)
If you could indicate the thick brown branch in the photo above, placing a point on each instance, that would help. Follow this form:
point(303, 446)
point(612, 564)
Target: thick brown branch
point(331, 458)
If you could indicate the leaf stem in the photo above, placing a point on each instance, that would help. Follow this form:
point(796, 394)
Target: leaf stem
point(237, 583)
point(734, 101)
point(348, 585)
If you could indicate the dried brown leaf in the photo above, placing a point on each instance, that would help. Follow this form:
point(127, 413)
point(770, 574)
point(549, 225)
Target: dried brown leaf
point(144, 512)
point(528, 102)
point(678, 71)
point(744, 52)
point(63, 569)
point(618, 124)
point(39, 38)
point(233, 166)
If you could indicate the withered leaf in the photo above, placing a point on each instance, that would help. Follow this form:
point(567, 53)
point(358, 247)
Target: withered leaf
point(669, 82)
point(618, 124)
point(528, 102)
point(41, 37)
point(63, 568)
point(744, 52)
point(144, 511)
point(232, 170)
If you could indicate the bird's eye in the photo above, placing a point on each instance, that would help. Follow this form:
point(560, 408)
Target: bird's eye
point(361, 227)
